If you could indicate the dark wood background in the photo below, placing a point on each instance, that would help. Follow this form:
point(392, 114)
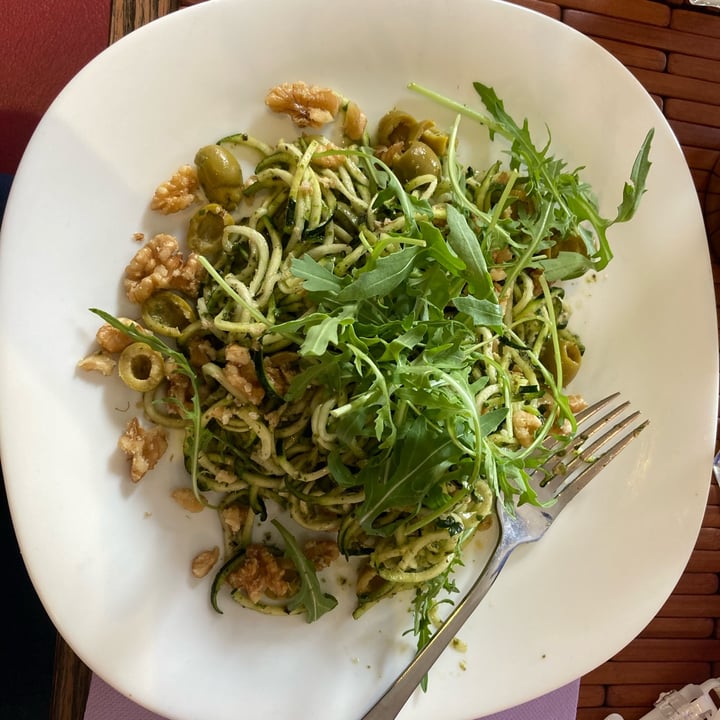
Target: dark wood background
point(673, 48)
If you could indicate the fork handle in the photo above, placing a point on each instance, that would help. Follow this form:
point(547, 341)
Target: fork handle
point(391, 703)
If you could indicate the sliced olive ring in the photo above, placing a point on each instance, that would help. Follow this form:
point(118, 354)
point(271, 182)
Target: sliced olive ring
point(140, 367)
point(205, 231)
point(168, 313)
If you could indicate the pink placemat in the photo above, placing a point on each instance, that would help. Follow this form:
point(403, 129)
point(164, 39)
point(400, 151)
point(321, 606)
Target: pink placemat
point(104, 703)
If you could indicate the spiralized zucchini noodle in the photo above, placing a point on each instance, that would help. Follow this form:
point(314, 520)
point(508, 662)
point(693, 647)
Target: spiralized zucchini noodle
point(368, 336)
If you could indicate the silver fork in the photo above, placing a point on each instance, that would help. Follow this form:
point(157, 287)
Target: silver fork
point(563, 476)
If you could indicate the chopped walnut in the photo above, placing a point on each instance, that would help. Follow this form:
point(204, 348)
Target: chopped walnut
point(234, 517)
point(367, 580)
point(143, 447)
point(200, 351)
point(355, 121)
point(112, 340)
point(280, 370)
point(98, 362)
point(240, 373)
point(179, 392)
point(186, 498)
point(178, 192)
point(524, 426)
point(204, 562)
point(262, 572)
point(225, 477)
point(333, 162)
point(389, 154)
point(576, 403)
point(159, 264)
point(500, 256)
point(321, 553)
point(307, 105)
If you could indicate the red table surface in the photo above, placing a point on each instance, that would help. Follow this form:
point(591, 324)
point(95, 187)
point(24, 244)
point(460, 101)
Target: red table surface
point(43, 43)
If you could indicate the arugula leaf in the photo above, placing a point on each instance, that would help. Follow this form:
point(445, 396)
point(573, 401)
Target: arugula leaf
point(316, 277)
point(481, 312)
point(326, 332)
point(389, 272)
point(438, 248)
point(634, 190)
point(570, 200)
point(420, 457)
point(310, 596)
point(465, 243)
point(566, 266)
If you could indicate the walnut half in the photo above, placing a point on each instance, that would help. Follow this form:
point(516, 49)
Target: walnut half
point(143, 447)
point(307, 105)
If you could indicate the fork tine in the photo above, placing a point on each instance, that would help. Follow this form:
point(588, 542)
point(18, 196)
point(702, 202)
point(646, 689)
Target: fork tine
point(573, 486)
point(581, 452)
point(595, 407)
point(582, 436)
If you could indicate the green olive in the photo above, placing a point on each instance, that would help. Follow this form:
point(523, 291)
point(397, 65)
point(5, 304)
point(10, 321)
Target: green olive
point(571, 352)
point(418, 159)
point(167, 313)
point(220, 175)
point(205, 231)
point(435, 139)
point(140, 367)
point(395, 126)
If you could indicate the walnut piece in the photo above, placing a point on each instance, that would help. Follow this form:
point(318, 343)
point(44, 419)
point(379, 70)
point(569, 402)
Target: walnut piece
point(355, 121)
point(262, 572)
point(234, 517)
point(159, 264)
point(576, 403)
point(321, 553)
point(187, 500)
point(98, 362)
point(112, 340)
point(333, 162)
point(178, 192)
point(307, 105)
point(241, 375)
point(524, 426)
point(143, 447)
point(203, 562)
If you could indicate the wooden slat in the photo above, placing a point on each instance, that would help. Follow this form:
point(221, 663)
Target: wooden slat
point(670, 674)
point(642, 11)
point(542, 6)
point(687, 21)
point(127, 15)
point(671, 650)
point(633, 54)
point(691, 606)
point(600, 713)
point(708, 539)
point(693, 67)
point(670, 627)
point(640, 696)
point(687, 43)
point(675, 86)
point(591, 696)
point(71, 684)
point(697, 114)
point(697, 583)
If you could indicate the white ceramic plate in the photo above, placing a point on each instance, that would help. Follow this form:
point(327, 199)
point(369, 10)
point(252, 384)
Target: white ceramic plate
point(110, 560)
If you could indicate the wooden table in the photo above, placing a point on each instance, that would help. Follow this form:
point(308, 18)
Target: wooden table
point(673, 48)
